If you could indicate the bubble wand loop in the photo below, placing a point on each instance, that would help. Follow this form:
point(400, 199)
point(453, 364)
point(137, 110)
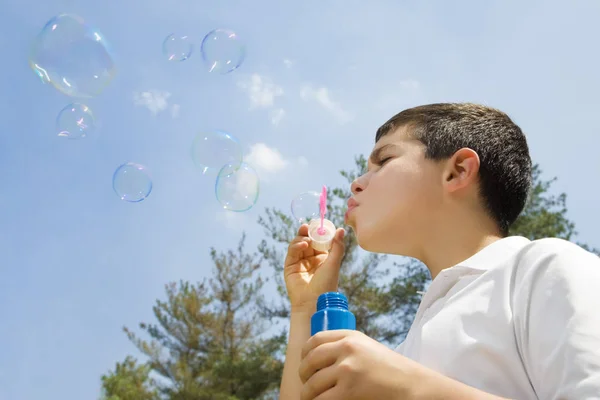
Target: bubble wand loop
point(323, 208)
point(321, 232)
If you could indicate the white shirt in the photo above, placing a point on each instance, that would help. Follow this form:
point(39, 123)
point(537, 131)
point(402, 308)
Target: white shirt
point(519, 319)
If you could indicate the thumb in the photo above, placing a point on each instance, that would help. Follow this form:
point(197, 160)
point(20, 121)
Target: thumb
point(337, 247)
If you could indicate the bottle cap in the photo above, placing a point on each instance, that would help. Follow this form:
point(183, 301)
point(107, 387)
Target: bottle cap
point(321, 242)
point(332, 300)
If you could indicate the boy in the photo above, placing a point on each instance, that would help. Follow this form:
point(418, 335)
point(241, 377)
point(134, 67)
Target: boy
point(504, 317)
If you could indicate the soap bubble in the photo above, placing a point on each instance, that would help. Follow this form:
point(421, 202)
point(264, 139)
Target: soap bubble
point(75, 121)
point(306, 206)
point(213, 150)
point(237, 187)
point(222, 51)
point(177, 48)
point(72, 56)
point(131, 182)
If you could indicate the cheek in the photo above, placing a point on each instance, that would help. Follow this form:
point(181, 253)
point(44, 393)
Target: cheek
point(402, 193)
point(398, 205)
point(393, 186)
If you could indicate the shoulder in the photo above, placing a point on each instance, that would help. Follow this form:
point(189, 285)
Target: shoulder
point(555, 266)
point(556, 320)
point(555, 253)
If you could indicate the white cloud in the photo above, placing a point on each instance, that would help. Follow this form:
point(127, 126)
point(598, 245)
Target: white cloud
point(323, 97)
point(154, 100)
point(270, 163)
point(288, 63)
point(261, 91)
point(277, 115)
point(266, 158)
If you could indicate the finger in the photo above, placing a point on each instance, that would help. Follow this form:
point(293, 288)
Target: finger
point(296, 249)
point(299, 238)
point(335, 393)
point(318, 358)
point(319, 384)
point(300, 245)
point(303, 230)
point(323, 337)
point(337, 247)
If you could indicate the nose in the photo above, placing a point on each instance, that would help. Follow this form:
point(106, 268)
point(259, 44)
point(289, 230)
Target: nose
point(358, 185)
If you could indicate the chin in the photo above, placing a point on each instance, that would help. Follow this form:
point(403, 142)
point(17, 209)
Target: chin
point(374, 243)
point(368, 241)
point(373, 248)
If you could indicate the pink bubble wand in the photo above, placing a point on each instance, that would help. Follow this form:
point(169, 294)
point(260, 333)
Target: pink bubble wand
point(323, 208)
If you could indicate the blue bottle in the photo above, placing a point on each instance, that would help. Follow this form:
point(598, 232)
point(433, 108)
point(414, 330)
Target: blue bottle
point(332, 313)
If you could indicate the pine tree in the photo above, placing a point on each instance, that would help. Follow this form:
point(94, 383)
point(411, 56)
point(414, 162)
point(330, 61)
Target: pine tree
point(545, 215)
point(129, 381)
point(208, 343)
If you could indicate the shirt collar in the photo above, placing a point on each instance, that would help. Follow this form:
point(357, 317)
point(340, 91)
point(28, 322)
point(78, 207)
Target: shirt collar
point(494, 252)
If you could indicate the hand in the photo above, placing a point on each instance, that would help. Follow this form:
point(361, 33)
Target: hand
point(309, 273)
point(346, 364)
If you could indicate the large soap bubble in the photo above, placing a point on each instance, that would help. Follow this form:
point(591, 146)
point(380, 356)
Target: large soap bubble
point(212, 150)
point(222, 51)
point(177, 48)
point(132, 182)
point(73, 57)
point(75, 121)
point(306, 206)
point(237, 187)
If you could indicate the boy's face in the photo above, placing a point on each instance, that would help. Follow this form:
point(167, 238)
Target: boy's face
point(398, 199)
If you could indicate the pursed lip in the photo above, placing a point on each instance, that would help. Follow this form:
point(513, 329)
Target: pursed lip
point(352, 204)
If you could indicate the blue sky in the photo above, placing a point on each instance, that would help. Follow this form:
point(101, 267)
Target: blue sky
point(320, 76)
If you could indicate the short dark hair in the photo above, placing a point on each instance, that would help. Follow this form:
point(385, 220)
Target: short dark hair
point(505, 173)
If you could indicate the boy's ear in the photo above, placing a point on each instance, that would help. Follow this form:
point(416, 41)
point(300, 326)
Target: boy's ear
point(462, 169)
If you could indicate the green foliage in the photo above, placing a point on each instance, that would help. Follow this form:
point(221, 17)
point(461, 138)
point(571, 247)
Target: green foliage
point(208, 343)
point(545, 215)
point(129, 381)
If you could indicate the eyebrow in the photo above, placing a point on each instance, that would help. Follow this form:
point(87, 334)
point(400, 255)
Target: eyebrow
point(377, 152)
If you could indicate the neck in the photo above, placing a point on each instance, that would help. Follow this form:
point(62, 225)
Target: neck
point(462, 239)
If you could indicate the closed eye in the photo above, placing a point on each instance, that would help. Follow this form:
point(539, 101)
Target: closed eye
point(382, 161)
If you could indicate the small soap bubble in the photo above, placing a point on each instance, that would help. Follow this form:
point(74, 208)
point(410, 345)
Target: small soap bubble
point(211, 151)
point(75, 121)
point(306, 206)
point(237, 187)
point(222, 51)
point(177, 48)
point(73, 57)
point(132, 182)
